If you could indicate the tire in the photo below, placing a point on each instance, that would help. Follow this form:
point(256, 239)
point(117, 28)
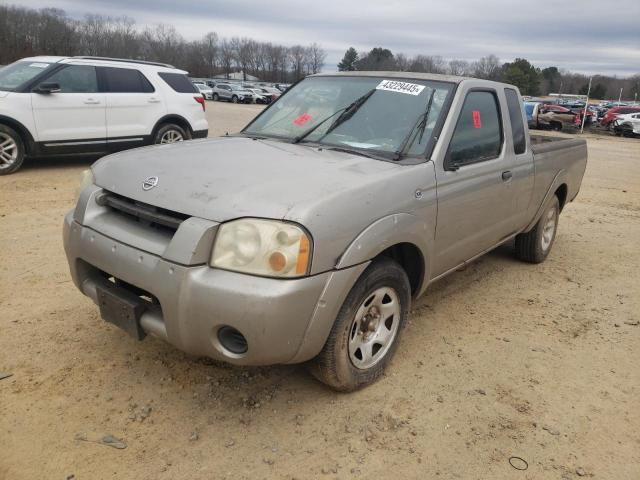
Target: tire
point(350, 359)
point(234, 99)
point(12, 150)
point(215, 97)
point(535, 245)
point(170, 133)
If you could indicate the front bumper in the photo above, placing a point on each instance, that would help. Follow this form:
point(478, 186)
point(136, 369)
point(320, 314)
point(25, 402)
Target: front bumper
point(283, 320)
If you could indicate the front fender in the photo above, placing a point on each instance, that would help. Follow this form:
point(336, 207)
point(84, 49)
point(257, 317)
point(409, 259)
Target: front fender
point(387, 232)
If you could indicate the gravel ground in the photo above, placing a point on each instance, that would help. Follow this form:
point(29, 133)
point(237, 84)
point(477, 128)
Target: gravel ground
point(502, 359)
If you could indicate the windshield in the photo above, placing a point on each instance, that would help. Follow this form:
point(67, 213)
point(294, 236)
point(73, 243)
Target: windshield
point(388, 111)
point(14, 75)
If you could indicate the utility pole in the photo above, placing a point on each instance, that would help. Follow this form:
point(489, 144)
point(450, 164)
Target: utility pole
point(620, 97)
point(586, 104)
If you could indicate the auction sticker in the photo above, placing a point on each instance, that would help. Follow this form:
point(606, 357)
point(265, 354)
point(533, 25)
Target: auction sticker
point(400, 87)
point(39, 65)
point(302, 119)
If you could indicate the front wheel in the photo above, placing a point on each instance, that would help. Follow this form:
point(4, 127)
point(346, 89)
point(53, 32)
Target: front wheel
point(234, 99)
point(11, 150)
point(535, 245)
point(365, 334)
point(170, 133)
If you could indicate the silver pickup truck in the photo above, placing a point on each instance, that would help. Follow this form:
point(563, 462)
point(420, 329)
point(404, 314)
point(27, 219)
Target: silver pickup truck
point(305, 237)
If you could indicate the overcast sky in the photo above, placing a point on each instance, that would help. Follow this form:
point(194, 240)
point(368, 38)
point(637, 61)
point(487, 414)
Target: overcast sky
point(585, 36)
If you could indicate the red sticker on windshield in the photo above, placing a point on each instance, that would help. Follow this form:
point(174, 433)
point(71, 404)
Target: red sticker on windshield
point(302, 119)
point(477, 122)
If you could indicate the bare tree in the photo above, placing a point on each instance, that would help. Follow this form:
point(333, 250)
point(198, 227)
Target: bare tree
point(315, 58)
point(210, 51)
point(459, 67)
point(487, 67)
point(227, 56)
point(428, 64)
point(298, 59)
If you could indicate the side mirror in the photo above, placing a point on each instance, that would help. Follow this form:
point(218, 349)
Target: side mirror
point(47, 88)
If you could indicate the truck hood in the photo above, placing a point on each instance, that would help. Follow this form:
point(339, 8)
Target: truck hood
point(231, 177)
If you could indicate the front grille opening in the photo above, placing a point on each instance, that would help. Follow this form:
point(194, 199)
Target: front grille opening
point(232, 340)
point(149, 298)
point(143, 213)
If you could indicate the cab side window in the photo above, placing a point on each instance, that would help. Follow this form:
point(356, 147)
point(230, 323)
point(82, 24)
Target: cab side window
point(478, 133)
point(515, 117)
point(75, 79)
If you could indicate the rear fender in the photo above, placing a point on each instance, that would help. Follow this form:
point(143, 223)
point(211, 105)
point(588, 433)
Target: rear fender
point(558, 180)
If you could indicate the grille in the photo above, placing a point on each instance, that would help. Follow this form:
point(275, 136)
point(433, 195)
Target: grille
point(142, 212)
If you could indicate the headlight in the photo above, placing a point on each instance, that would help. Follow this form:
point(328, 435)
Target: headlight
point(85, 180)
point(262, 247)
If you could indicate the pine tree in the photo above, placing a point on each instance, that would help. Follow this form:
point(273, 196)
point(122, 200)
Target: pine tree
point(347, 64)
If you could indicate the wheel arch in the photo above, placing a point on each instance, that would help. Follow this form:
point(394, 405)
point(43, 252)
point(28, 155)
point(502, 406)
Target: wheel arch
point(559, 186)
point(172, 118)
point(27, 139)
point(402, 237)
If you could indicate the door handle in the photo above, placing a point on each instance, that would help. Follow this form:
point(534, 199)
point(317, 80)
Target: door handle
point(506, 176)
point(92, 101)
point(154, 100)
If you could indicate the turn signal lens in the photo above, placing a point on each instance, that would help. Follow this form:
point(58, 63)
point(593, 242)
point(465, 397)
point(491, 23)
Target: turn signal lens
point(85, 180)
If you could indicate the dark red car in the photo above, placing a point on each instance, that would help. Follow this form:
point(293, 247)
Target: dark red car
point(611, 114)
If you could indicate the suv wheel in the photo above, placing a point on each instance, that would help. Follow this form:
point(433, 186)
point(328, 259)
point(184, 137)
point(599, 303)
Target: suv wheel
point(365, 334)
point(535, 245)
point(234, 99)
point(11, 150)
point(170, 133)
point(215, 97)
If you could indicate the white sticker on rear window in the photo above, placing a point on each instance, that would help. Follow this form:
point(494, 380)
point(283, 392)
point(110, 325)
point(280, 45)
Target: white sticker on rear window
point(39, 65)
point(401, 87)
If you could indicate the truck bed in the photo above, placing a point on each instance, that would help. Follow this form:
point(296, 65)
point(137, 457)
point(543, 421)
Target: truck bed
point(545, 143)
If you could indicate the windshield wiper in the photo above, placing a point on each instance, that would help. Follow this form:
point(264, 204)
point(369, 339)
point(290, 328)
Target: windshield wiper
point(347, 113)
point(309, 131)
point(421, 124)
point(353, 151)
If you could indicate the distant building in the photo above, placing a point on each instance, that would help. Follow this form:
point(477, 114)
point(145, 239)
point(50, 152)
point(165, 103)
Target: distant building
point(237, 76)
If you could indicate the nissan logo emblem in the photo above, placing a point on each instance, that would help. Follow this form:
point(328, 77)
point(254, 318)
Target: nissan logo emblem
point(149, 183)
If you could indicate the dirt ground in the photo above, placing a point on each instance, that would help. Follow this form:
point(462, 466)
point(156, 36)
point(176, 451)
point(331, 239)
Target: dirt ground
point(502, 359)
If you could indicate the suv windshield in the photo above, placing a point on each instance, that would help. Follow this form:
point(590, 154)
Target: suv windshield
point(18, 73)
point(389, 111)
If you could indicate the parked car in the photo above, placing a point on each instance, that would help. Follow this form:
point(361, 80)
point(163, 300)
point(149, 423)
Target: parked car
point(272, 93)
point(259, 96)
point(557, 117)
point(612, 113)
point(205, 90)
point(52, 106)
point(531, 110)
point(627, 125)
point(283, 87)
point(311, 243)
point(231, 93)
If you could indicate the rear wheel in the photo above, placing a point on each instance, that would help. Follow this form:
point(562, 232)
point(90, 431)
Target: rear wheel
point(215, 97)
point(170, 133)
point(11, 150)
point(365, 334)
point(535, 245)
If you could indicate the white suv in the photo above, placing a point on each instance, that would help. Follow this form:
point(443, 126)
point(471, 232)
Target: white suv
point(92, 105)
